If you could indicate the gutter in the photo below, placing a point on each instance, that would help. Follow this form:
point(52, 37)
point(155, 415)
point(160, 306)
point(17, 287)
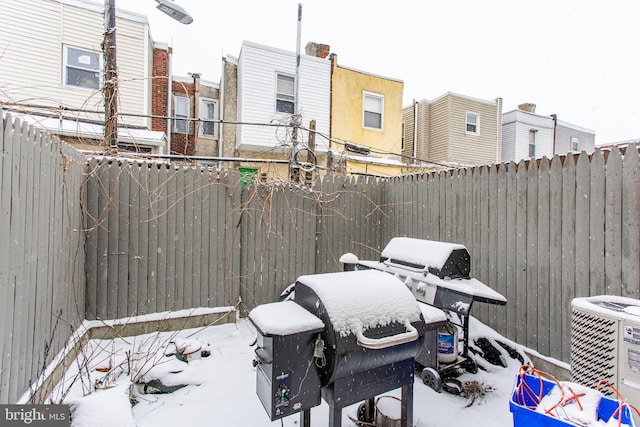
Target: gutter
point(221, 112)
point(169, 101)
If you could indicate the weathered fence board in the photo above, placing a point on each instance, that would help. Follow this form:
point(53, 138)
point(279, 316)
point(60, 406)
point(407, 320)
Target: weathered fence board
point(542, 254)
point(568, 248)
point(630, 223)
point(555, 257)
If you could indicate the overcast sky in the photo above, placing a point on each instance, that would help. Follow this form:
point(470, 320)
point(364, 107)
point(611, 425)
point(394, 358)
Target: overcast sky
point(579, 59)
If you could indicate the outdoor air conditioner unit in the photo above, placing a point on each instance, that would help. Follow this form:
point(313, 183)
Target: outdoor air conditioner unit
point(605, 344)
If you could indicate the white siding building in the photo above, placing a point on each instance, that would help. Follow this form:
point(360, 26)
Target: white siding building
point(574, 139)
point(526, 135)
point(51, 62)
point(266, 82)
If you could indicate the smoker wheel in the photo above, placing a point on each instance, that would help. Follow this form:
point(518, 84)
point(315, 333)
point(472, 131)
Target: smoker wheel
point(431, 377)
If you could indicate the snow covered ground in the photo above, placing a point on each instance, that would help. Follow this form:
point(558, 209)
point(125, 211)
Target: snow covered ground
point(221, 390)
point(222, 386)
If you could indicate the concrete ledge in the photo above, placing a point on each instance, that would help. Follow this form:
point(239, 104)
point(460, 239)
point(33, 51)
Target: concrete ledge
point(558, 370)
point(110, 329)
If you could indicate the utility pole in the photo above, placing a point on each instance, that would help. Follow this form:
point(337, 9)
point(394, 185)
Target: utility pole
point(308, 176)
point(296, 119)
point(110, 85)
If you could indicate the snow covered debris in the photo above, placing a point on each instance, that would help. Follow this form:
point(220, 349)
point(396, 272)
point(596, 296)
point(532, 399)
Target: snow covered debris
point(225, 394)
point(104, 408)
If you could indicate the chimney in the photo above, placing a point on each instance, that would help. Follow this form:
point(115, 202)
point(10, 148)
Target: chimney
point(317, 49)
point(528, 107)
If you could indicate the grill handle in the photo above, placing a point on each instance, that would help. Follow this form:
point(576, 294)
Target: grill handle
point(379, 343)
point(262, 356)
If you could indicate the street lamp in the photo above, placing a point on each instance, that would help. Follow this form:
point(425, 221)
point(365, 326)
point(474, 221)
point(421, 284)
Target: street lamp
point(110, 86)
point(175, 11)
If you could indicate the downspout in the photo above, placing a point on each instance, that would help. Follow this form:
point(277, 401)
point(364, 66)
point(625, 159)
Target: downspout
point(221, 113)
point(555, 123)
point(415, 131)
point(498, 129)
point(169, 101)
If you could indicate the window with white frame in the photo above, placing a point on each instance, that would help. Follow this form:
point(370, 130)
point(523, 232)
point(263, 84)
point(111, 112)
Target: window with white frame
point(575, 144)
point(373, 110)
point(473, 123)
point(81, 67)
point(285, 94)
point(181, 109)
point(208, 111)
point(532, 142)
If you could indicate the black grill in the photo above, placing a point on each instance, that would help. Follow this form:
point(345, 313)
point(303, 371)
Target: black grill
point(355, 355)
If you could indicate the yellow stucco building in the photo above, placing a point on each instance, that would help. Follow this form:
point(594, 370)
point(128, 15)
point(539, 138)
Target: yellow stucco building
point(366, 121)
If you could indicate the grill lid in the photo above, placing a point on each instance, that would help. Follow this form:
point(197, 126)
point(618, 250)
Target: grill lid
point(441, 259)
point(359, 300)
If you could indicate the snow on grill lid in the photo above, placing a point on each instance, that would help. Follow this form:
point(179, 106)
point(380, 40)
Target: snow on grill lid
point(420, 252)
point(359, 300)
point(284, 318)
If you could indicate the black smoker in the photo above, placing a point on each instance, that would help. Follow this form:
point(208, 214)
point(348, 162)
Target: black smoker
point(346, 336)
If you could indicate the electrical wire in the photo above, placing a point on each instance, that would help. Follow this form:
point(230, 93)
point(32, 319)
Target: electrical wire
point(282, 123)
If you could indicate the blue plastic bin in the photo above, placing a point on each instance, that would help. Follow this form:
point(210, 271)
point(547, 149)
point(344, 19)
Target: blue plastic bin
point(525, 417)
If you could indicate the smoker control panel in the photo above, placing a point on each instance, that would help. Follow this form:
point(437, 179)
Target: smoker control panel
point(283, 393)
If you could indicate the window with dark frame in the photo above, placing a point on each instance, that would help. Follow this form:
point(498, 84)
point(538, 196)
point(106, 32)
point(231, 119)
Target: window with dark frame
point(82, 67)
point(285, 94)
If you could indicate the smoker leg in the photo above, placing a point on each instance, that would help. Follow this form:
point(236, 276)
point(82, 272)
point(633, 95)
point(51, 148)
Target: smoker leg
point(406, 405)
point(370, 405)
point(305, 418)
point(335, 415)
point(465, 331)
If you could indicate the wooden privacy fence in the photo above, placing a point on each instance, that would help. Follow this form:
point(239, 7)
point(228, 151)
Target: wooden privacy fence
point(41, 252)
point(159, 237)
point(111, 238)
point(288, 231)
point(540, 233)
point(164, 237)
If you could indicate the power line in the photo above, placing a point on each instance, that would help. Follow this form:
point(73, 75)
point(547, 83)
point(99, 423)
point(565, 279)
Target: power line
point(344, 141)
point(279, 124)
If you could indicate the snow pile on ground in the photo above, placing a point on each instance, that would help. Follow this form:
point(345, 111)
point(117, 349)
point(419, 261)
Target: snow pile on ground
point(108, 408)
